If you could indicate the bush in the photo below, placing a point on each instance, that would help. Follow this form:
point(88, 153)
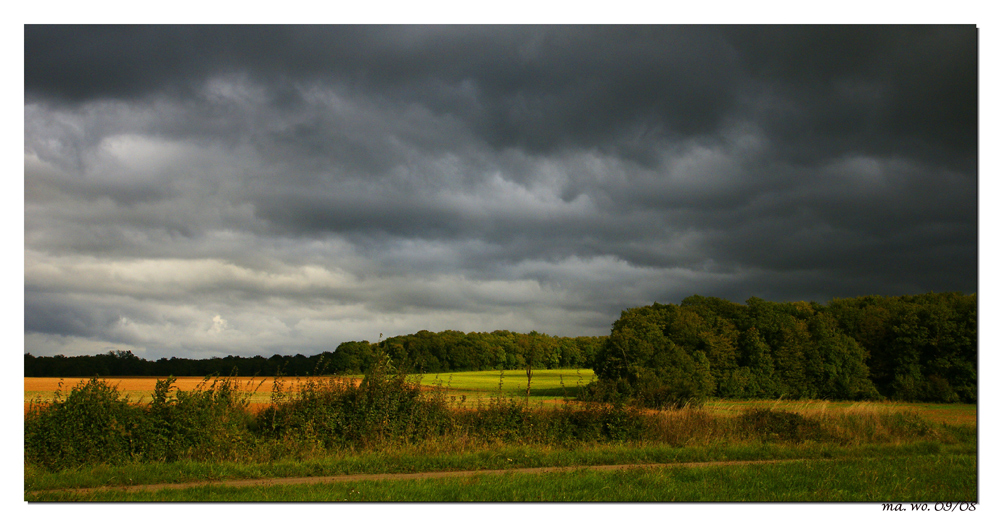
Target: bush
point(502, 419)
point(209, 422)
point(384, 407)
point(94, 424)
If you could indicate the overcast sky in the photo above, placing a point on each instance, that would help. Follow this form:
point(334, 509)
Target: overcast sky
point(202, 191)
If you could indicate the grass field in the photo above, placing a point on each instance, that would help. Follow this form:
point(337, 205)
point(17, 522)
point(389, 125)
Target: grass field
point(846, 480)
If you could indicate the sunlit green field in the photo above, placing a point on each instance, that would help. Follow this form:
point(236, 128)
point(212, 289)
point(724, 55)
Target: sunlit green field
point(545, 384)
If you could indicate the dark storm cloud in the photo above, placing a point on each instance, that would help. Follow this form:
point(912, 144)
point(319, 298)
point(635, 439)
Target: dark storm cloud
point(537, 87)
point(283, 186)
point(839, 87)
point(883, 90)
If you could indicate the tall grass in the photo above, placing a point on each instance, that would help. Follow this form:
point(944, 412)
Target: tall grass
point(96, 424)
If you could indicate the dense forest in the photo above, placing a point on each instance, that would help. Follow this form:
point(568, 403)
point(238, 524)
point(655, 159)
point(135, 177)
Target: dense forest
point(914, 348)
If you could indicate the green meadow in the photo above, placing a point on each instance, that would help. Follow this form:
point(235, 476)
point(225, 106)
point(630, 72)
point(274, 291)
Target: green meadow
point(546, 385)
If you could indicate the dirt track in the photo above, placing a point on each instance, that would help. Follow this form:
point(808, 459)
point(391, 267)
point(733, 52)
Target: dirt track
point(407, 476)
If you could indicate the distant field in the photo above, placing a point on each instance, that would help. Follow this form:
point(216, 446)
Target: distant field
point(547, 386)
point(140, 389)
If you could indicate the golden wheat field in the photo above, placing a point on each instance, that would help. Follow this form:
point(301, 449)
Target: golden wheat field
point(140, 389)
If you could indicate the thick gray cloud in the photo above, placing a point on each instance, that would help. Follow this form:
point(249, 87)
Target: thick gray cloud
point(210, 190)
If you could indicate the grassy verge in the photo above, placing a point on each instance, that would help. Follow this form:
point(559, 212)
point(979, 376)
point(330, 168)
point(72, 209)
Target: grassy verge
point(938, 477)
point(427, 458)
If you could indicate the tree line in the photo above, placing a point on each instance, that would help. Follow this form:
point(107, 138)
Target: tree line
point(453, 351)
point(422, 352)
point(913, 348)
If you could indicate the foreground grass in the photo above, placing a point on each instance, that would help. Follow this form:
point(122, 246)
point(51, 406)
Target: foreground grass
point(408, 459)
point(939, 477)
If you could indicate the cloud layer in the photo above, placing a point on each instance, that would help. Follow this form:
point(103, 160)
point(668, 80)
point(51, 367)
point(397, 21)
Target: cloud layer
point(205, 190)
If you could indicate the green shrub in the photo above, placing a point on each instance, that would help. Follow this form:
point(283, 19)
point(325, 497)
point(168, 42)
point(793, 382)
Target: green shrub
point(210, 422)
point(333, 412)
point(96, 424)
point(93, 424)
point(502, 419)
